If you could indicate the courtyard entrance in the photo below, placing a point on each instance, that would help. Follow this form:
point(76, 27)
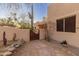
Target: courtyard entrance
point(34, 35)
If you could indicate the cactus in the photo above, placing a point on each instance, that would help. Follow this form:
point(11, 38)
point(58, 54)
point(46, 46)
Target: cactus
point(14, 37)
point(4, 39)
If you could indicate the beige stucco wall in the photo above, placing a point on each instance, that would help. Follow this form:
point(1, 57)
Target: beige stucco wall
point(20, 33)
point(57, 11)
point(42, 34)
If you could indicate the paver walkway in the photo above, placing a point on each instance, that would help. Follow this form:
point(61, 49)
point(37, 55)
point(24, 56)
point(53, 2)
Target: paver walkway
point(44, 48)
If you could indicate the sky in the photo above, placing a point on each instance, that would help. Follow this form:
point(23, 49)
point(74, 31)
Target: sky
point(40, 10)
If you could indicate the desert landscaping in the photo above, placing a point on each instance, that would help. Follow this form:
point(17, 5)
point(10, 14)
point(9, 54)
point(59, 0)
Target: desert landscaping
point(39, 29)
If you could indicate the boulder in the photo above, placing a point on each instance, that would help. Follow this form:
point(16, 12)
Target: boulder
point(17, 45)
point(13, 45)
point(11, 49)
point(7, 53)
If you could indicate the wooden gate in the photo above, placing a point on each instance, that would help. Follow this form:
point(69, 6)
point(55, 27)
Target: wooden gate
point(33, 35)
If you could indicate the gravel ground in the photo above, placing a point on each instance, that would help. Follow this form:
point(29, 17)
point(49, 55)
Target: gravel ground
point(45, 48)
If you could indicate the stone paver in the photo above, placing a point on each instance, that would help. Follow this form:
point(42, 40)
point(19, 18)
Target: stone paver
point(44, 48)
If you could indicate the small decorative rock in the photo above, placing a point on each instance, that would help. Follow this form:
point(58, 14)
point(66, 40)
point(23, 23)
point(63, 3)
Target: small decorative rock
point(11, 49)
point(13, 45)
point(17, 45)
point(8, 53)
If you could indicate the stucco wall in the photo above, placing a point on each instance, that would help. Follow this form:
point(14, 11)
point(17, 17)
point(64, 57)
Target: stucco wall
point(42, 34)
point(20, 33)
point(57, 11)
